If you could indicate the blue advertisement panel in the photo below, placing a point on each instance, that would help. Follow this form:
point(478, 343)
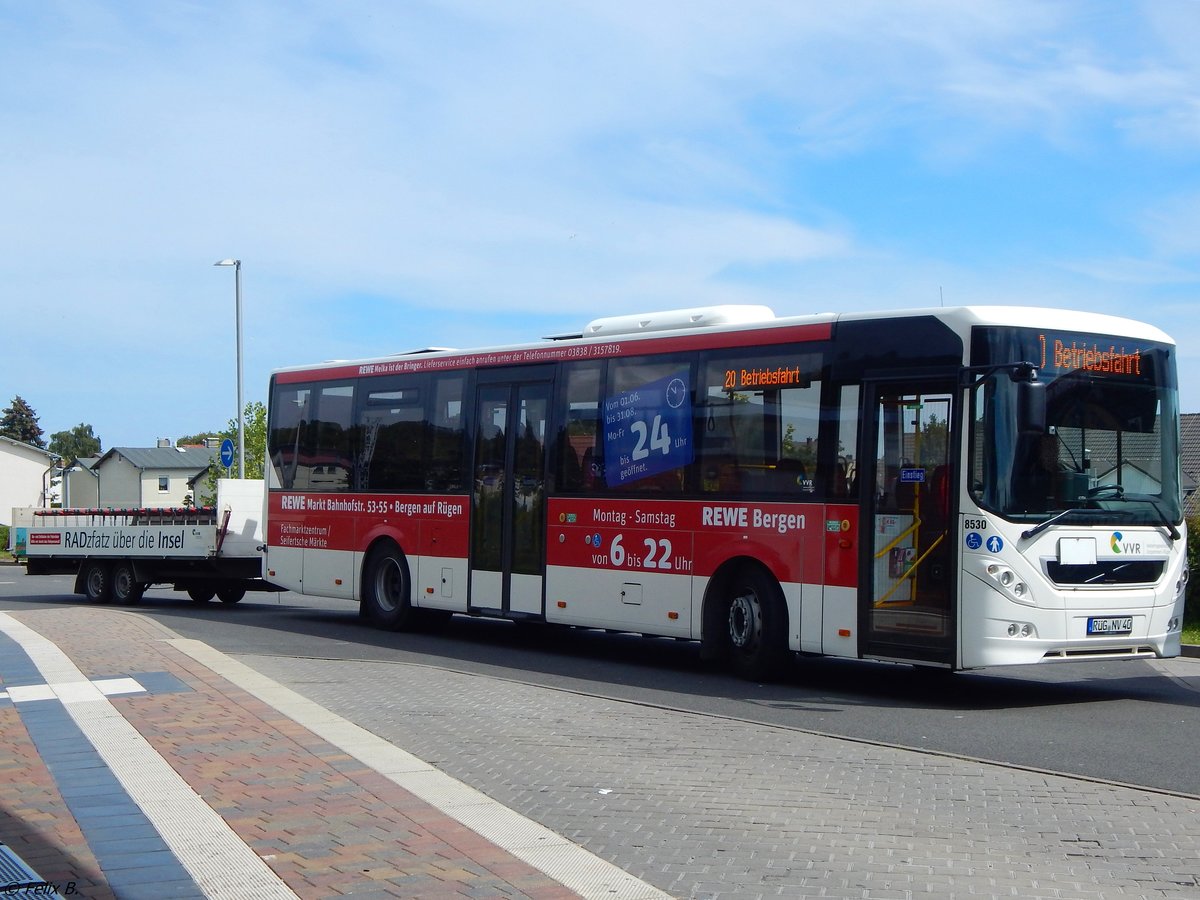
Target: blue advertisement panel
point(648, 430)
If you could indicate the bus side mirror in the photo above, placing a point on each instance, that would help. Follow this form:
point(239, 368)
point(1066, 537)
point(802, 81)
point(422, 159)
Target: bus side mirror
point(1031, 407)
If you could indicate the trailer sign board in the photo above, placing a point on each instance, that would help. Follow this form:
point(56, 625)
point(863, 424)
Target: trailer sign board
point(143, 540)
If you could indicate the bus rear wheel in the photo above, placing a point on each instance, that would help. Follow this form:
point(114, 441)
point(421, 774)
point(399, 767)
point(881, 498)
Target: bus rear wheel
point(125, 586)
point(201, 595)
point(97, 582)
point(386, 589)
point(756, 625)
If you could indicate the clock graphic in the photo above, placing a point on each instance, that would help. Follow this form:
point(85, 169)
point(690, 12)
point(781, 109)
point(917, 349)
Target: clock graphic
point(676, 393)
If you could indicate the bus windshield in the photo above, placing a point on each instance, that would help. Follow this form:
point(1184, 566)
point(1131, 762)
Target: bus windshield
point(1110, 444)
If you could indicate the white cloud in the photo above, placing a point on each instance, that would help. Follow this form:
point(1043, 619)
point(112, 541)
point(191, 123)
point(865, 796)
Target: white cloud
point(1133, 271)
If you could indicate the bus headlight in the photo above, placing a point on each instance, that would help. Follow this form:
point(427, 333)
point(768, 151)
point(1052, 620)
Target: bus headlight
point(1008, 582)
point(1020, 629)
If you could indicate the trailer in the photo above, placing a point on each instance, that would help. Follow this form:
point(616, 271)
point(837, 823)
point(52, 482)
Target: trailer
point(116, 554)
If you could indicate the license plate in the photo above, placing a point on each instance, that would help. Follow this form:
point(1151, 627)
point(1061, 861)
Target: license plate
point(1110, 625)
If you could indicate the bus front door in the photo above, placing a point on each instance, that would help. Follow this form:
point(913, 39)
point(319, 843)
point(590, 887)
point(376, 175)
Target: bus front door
point(908, 599)
point(508, 493)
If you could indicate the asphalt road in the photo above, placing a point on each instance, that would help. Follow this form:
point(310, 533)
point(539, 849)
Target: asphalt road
point(1135, 723)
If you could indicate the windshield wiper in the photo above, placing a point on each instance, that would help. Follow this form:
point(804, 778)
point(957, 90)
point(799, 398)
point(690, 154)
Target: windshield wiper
point(1067, 513)
point(1165, 523)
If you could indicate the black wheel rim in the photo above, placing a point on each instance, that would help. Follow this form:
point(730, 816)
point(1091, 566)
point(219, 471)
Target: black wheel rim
point(745, 620)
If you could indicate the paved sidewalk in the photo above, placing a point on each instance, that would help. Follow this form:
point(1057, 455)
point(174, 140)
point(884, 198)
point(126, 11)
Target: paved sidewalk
point(130, 767)
point(137, 764)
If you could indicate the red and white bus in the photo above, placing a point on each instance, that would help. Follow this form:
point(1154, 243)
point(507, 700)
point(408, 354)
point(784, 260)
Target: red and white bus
point(947, 487)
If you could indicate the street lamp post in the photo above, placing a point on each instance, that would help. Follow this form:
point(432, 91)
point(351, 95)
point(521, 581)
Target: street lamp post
point(237, 288)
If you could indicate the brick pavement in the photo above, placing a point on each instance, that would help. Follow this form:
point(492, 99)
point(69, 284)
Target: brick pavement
point(323, 822)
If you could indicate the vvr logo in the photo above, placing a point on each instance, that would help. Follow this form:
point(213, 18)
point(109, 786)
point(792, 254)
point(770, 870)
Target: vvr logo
point(1121, 546)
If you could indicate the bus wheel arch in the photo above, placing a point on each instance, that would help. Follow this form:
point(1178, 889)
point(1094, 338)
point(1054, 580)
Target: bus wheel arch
point(745, 620)
point(387, 586)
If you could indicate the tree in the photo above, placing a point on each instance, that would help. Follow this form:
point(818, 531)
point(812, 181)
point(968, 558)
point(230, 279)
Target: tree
point(935, 441)
point(20, 423)
point(77, 443)
point(255, 423)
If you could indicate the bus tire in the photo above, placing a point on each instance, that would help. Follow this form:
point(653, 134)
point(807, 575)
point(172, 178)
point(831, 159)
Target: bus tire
point(386, 589)
point(97, 582)
point(201, 594)
point(230, 594)
point(125, 586)
point(756, 624)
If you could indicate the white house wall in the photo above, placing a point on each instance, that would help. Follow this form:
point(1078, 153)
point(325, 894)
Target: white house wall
point(120, 483)
point(177, 487)
point(23, 474)
point(82, 489)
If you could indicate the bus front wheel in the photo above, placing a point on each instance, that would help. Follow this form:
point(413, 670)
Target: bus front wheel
point(386, 589)
point(756, 625)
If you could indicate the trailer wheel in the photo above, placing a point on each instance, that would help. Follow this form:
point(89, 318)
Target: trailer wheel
point(201, 595)
point(97, 582)
point(386, 589)
point(125, 586)
point(230, 595)
point(757, 620)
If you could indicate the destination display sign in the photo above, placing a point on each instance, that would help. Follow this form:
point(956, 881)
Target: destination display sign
point(1065, 353)
point(764, 377)
point(1058, 353)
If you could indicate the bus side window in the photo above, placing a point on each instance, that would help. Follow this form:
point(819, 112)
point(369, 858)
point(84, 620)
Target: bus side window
point(839, 484)
point(580, 457)
point(445, 434)
point(759, 422)
point(329, 460)
point(842, 477)
point(289, 409)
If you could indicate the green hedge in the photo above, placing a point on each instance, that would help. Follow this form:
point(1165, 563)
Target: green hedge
point(1191, 614)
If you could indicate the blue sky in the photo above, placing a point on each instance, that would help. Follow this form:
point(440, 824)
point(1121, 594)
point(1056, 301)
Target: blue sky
point(465, 173)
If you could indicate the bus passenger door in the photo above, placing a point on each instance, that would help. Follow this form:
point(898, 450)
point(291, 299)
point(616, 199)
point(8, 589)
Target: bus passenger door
point(908, 599)
point(508, 492)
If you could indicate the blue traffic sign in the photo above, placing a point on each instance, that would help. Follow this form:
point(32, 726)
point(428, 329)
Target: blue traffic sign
point(227, 453)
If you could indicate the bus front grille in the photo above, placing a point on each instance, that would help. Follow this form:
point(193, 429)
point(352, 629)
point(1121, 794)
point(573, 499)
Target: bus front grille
point(1106, 572)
